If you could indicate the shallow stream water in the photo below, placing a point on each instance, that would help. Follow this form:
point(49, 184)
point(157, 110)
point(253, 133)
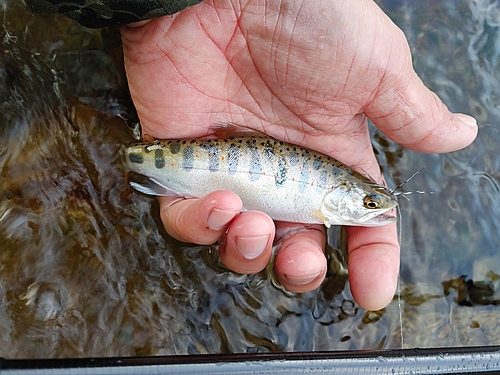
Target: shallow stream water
point(87, 270)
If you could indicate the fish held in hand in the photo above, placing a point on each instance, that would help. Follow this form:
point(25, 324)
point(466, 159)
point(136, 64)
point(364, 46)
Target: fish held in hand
point(288, 182)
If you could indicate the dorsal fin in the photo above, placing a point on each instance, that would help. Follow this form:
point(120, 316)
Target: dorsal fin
point(226, 130)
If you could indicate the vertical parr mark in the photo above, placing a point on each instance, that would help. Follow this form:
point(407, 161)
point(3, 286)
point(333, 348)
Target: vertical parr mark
point(336, 171)
point(304, 176)
point(280, 176)
point(213, 156)
point(136, 158)
point(175, 147)
point(255, 168)
point(233, 152)
point(188, 158)
point(159, 158)
point(293, 158)
point(269, 150)
point(321, 184)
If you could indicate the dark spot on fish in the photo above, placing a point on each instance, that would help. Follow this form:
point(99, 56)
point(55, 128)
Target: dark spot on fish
point(317, 164)
point(188, 158)
point(136, 158)
point(175, 147)
point(232, 158)
point(159, 159)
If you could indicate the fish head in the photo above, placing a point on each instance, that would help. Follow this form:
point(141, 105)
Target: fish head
point(365, 204)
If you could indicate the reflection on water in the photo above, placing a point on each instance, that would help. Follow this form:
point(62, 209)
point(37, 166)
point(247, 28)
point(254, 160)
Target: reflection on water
point(86, 269)
point(450, 248)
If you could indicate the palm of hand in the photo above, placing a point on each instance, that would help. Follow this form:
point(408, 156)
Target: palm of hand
point(289, 75)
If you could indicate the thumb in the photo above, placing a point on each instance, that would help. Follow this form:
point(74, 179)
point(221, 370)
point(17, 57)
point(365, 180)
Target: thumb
point(407, 112)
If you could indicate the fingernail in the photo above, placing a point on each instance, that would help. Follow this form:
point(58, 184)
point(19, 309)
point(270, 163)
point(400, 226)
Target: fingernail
point(251, 247)
point(466, 119)
point(218, 219)
point(302, 280)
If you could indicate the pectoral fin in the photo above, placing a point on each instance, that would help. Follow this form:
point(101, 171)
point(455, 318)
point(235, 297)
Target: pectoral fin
point(319, 215)
point(148, 185)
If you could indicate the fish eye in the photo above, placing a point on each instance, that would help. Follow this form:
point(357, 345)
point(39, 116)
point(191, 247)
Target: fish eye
point(371, 201)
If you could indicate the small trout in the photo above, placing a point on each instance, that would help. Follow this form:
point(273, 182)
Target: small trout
point(288, 182)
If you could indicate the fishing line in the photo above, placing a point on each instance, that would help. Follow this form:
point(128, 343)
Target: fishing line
point(393, 191)
point(397, 194)
point(400, 309)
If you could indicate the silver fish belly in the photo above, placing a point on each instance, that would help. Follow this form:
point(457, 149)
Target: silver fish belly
point(288, 182)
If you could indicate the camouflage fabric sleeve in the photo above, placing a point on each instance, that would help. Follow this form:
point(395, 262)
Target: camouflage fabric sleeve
point(102, 13)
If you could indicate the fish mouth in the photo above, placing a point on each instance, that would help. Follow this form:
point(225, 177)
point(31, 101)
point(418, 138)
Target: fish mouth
point(379, 220)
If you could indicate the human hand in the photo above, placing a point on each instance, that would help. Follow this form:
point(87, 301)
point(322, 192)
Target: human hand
point(304, 72)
